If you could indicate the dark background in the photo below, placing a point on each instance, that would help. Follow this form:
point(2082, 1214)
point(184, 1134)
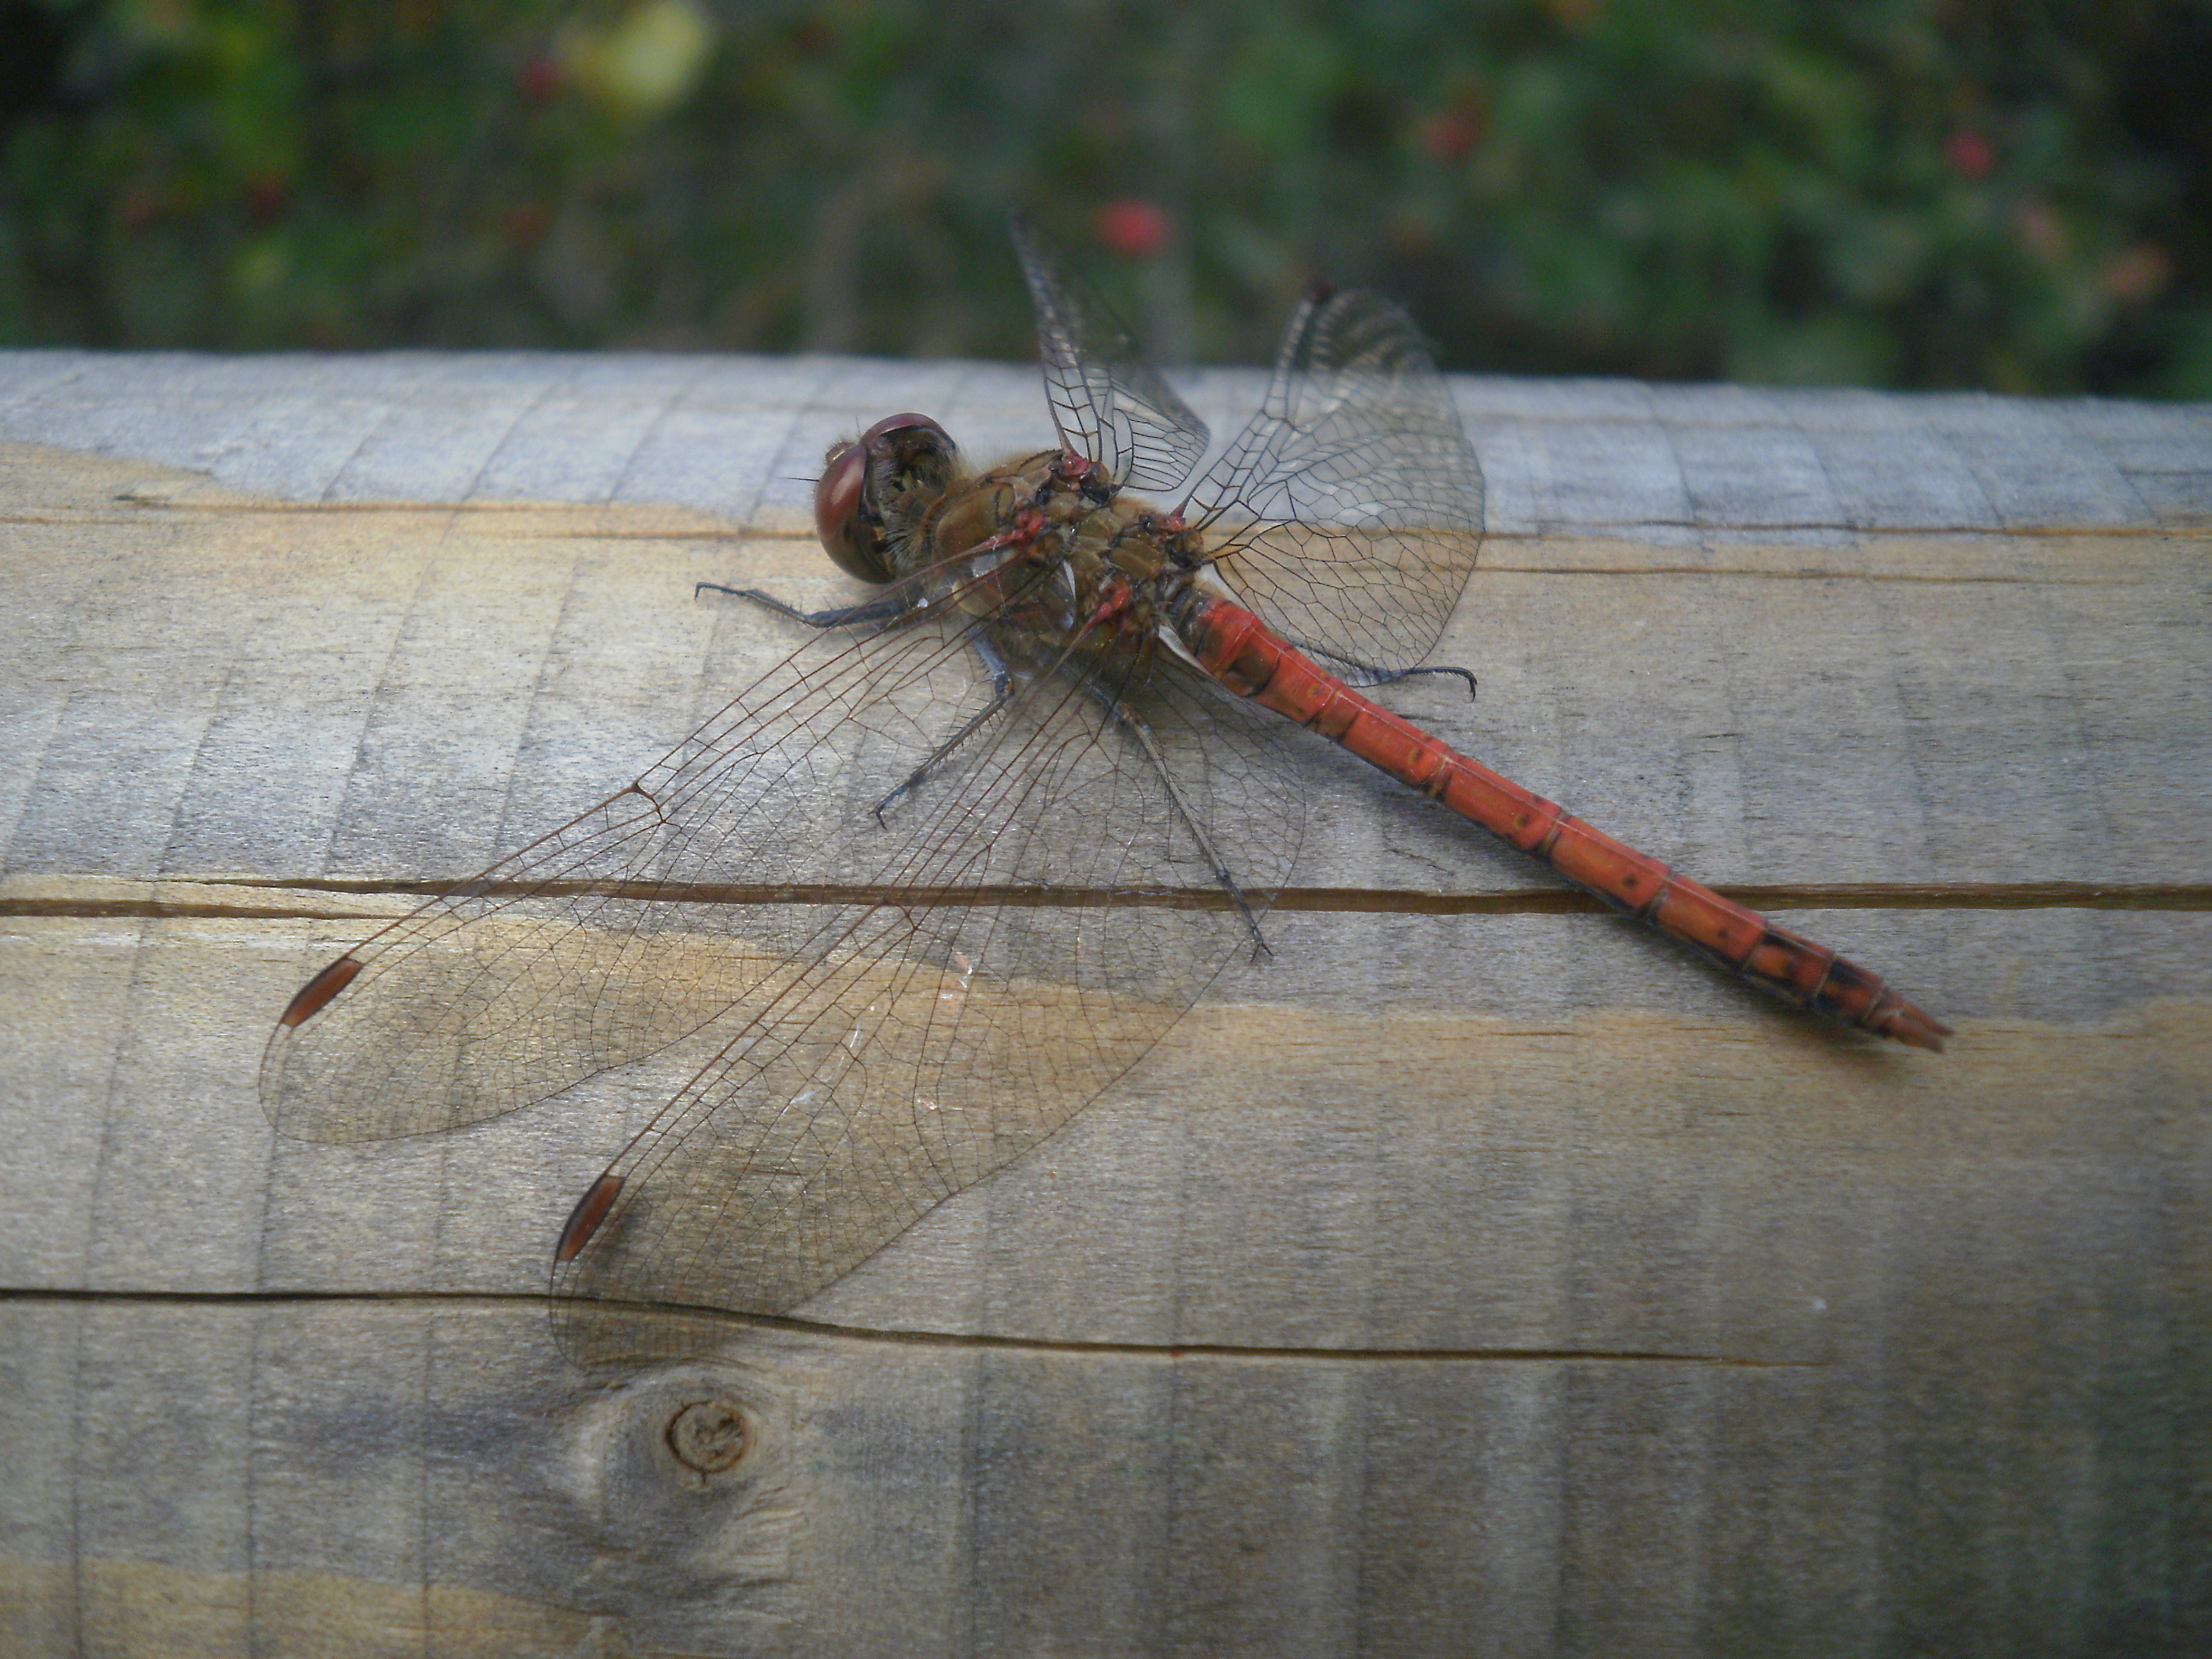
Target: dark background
point(1987, 193)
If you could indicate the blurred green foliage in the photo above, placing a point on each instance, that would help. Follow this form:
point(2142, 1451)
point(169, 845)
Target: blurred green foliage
point(1997, 193)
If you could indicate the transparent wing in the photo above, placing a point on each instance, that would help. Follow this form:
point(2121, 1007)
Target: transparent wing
point(613, 936)
point(1348, 512)
point(1109, 405)
point(1066, 912)
point(900, 1005)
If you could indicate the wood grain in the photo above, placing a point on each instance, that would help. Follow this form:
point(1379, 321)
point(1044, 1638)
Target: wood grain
point(1477, 1275)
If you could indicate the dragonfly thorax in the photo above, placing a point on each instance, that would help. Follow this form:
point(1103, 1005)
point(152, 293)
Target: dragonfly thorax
point(1049, 547)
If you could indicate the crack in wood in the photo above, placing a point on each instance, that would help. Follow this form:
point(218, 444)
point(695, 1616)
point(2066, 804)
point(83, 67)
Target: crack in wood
point(2178, 897)
point(942, 1339)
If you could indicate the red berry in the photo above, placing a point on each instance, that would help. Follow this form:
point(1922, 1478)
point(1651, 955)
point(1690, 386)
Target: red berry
point(1972, 154)
point(1134, 227)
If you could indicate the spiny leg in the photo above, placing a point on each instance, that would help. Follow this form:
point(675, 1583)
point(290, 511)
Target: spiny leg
point(1353, 671)
point(889, 611)
point(1002, 693)
point(851, 616)
point(1134, 724)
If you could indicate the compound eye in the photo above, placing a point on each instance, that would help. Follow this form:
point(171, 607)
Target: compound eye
point(847, 517)
point(891, 423)
point(836, 507)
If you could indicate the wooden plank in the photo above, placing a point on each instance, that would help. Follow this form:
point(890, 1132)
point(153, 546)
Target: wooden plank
point(1476, 1274)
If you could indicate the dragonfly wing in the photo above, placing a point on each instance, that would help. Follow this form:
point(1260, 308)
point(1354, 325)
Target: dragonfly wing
point(1109, 405)
point(1348, 512)
point(1060, 910)
point(629, 928)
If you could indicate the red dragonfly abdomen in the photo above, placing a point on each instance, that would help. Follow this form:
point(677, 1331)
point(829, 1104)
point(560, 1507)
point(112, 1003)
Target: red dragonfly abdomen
point(1239, 650)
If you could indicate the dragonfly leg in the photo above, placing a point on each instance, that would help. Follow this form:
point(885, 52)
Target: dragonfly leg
point(1134, 724)
point(1467, 674)
point(870, 611)
point(888, 611)
point(1002, 693)
point(1353, 671)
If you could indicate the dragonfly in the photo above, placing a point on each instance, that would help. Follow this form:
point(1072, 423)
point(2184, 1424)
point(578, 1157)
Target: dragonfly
point(928, 887)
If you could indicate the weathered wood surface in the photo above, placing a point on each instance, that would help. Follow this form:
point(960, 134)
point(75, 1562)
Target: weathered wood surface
point(1478, 1275)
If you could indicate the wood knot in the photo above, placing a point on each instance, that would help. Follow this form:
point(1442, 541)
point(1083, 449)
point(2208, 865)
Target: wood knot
point(709, 1436)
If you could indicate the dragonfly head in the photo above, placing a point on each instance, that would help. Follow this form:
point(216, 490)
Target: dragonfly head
point(873, 489)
